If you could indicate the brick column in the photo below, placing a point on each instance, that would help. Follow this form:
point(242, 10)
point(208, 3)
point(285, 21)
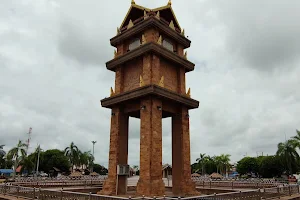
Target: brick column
point(150, 182)
point(181, 161)
point(119, 80)
point(118, 152)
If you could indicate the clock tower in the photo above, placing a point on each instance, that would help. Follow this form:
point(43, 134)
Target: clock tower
point(150, 63)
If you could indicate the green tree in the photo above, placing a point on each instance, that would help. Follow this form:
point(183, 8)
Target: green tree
point(2, 152)
point(247, 165)
point(72, 152)
point(270, 166)
point(86, 159)
point(17, 154)
point(224, 163)
point(297, 139)
point(218, 163)
point(135, 168)
point(288, 156)
point(210, 166)
point(100, 169)
point(2, 159)
point(202, 160)
point(27, 165)
point(194, 167)
point(53, 158)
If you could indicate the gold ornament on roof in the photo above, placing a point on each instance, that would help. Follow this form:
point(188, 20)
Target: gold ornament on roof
point(162, 82)
point(157, 15)
point(182, 33)
point(132, 2)
point(145, 14)
point(143, 39)
point(170, 2)
point(172, 26)
point(159, 41)
point(130, 24)
point(189, 92)
point(111, 91)
point(141, 81)
point(115, 54)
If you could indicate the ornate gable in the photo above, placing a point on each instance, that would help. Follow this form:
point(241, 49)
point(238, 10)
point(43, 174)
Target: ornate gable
point(136, 12)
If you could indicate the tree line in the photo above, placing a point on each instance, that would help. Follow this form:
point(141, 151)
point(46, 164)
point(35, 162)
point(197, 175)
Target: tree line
point(65, 160)
point(206, 164)
point(285, 161)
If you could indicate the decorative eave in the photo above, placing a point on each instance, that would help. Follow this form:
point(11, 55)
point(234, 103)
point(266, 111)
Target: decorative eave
point(150, 21)
point(150, 47)
point(146, 91)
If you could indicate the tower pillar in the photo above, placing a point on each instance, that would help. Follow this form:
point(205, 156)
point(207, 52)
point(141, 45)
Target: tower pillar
point(182, 183)
point(150, 182)
point(118, 153)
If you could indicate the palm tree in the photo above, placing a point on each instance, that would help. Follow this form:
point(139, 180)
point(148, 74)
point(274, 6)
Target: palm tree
point(225, 159)
point(288, 155)
point(73, 153)
point(17, 154)
point(297, 139)
point(2, 152)
point(218, 162)
point(202, 160)
point(85, 158)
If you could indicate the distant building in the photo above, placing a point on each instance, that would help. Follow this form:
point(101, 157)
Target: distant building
point(166, 170)
point(6, 172)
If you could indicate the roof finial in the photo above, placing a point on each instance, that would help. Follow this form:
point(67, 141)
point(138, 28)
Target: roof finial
point(132, 2)
point(170, 2)
point(189, 92)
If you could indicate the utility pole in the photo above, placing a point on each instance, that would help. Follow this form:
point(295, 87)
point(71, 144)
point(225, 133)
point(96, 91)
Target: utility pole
point(38, 160)
point(28, 140)
point(94, 142)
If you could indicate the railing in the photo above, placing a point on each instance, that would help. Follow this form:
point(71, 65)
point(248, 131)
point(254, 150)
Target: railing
point(32, 179)
point(44, 194)
point(65, 183)
point(86, 181)
point(235, 184)
point(260, 180)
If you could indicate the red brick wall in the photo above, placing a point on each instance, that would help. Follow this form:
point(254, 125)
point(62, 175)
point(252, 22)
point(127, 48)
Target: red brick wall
point(131, 74)
point(170, 74)
point(151, 35)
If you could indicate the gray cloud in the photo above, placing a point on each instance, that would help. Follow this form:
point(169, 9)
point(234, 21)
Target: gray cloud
point(263, 34)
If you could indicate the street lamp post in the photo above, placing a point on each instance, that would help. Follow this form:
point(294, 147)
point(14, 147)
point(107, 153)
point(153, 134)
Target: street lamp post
point(94, 142)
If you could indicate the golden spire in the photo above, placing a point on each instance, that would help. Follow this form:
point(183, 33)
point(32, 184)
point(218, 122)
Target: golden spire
point(159, 41)
point(132, 2)
point(185, 55)
point(141, 81)
point(130, 24)
point(115, 54)
point(172, 26)
point(170, 2)
point(189, 92)
point(143, 39)
point(111, 91)
point(162, 82)
point(145, 14)
point(157, 15)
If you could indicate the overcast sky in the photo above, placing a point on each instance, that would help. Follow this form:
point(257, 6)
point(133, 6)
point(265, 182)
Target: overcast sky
point(53, 74)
